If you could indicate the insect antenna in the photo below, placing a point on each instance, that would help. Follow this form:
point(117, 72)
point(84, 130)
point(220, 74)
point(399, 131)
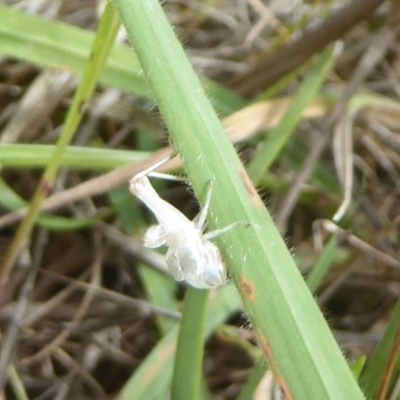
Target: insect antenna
point(150, 170)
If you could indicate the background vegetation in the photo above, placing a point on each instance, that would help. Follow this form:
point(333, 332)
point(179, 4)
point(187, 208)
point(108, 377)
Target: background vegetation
point(309, 94)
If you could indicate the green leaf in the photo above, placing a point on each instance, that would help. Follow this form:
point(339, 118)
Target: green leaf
point(384, 365)
point(290, 327)
point(187, 375)
point(276, 139)
point(153, 377)
point(38, 155)
point(56, 44)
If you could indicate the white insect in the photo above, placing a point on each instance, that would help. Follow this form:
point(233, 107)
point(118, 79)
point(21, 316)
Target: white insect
point(191, 257)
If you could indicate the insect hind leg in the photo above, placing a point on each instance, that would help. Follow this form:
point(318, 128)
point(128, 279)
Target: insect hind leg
point(202, 217)
point(218, 232)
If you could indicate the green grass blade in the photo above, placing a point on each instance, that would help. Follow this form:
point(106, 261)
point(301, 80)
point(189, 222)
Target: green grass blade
point(358, 365)
point(376, 373)
point(31, 156)
point(39, 155)
point(280, 135)
point(153, 377)
point(253, 381)
point(188, 369)
point(290, 328)
point(56, 44)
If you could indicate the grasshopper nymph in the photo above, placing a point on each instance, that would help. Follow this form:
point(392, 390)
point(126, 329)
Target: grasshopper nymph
point(191, 257)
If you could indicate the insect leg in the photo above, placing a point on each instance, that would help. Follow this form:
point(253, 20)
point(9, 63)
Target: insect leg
point(204, 211)
point(147, 171)
point(217, 232)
